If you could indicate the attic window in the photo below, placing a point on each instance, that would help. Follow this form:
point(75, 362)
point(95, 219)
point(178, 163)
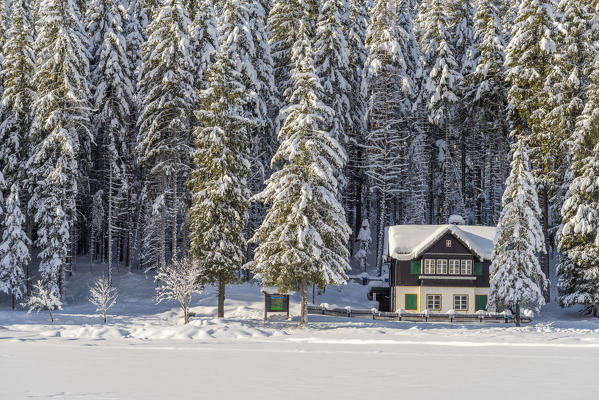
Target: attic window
point(448, 243)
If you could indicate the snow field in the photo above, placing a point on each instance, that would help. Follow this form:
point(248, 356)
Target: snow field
point(145, 351)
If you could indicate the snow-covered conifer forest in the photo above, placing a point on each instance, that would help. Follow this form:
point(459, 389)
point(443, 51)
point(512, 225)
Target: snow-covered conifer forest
point(276, 139)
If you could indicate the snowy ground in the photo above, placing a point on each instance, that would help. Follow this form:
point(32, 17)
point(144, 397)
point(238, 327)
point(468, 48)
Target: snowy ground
point(145, 352)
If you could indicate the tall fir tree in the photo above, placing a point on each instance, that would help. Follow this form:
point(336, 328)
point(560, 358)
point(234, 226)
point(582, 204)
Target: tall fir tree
point(17, 75)
point(442, 79)
point(528, 64)
point(14, 248)
point(571, 65)
point(61, 117)
point(578, 238)
point(220, 193)
point(304, 235)
point(203, 39)
point(113, 100)
point(283, 28)
point(389, 88)
point(168, 97)
point(355, 33)
point(487, 100)
point(515, 274)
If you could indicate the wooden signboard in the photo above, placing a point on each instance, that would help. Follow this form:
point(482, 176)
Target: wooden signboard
point(275, 302)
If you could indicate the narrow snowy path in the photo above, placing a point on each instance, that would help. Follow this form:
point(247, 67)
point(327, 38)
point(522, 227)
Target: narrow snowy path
point(291, 369)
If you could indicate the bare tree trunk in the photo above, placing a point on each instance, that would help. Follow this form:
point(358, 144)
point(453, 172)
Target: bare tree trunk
point(174, 222)
point(51, 316)
point(12, 297)
point(547, 245)
point(381, 234)
point(303, 305)
point(109, 226)
point(517, 321)
point(30, 247)
point(596, 311)
point(186, 313)
point(221, 298)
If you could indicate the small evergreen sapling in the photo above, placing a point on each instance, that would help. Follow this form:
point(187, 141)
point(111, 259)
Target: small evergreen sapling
point(177, 281)
point(103, 295)
point(365, 239)
point(43, 298)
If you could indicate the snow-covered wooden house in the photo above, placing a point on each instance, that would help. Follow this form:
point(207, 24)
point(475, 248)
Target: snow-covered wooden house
point(439, 267)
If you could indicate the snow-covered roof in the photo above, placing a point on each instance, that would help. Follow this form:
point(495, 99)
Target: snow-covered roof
point(407, 242)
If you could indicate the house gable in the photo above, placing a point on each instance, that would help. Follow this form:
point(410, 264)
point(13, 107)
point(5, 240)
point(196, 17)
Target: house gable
point(458, 247)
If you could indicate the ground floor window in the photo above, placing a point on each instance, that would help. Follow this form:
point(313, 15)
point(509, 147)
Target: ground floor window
point(460, 302)
point(433, 302)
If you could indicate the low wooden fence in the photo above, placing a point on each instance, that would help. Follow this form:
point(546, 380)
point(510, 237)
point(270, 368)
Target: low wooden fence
point(413, 317)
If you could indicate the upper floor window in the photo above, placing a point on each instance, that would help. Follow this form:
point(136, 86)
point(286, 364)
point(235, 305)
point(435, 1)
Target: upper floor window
point(429, 266)
point(454, 267)
point(466, 267)
point(448, 243)
point(441, 266)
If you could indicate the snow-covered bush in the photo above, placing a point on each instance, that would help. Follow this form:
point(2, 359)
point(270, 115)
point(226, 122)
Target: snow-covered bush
point(43, 298)
point(103, 295)
point(365, 239)
point(177, 281)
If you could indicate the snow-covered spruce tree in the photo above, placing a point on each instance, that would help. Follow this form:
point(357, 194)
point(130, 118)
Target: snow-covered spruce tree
point(365, 239)
point(443, 77)
point(331, 62)
point(44, 297)
point(528, 63)
point(304, 235)
point(355, 33)
point(14, 248)
point(177, 281)
point(203, 39)
point(571, 64)
point(488, 102)
point(283, 23)
point(220, 194)
point(61, 116)
point(17, 74)
point(167, 96)
point(515, 273)
point(113, 100)
point(388, 87)
point(103, 295)
point(578, 237)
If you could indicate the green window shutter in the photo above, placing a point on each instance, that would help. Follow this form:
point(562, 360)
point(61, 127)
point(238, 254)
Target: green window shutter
point(411, 301)
point(478, 268)
point(481, 302)
point(415, 267)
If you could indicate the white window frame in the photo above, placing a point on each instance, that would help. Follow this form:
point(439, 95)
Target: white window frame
point(448, 243)
point(436, 305)
point(454, 267)
point(466, 267)
point(429, 266)
point(441, 266)
point(462, 305)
